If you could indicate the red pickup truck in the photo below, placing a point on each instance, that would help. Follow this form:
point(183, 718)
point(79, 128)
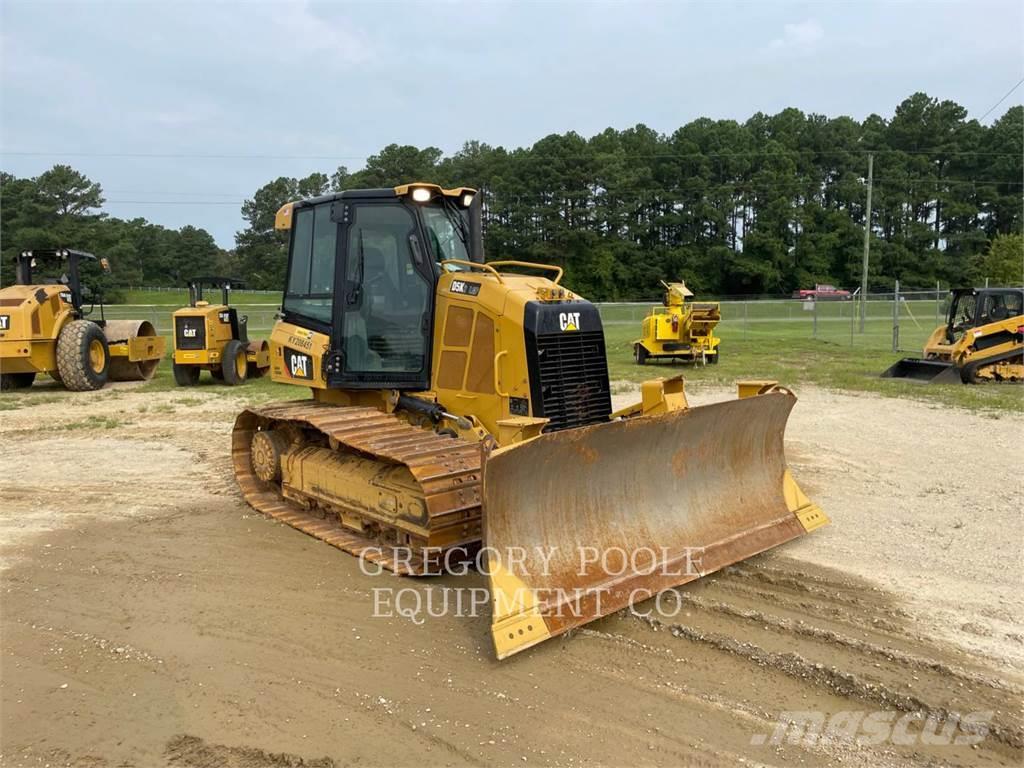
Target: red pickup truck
point(823, 292)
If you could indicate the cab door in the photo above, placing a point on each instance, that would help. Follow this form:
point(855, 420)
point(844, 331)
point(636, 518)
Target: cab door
point(384, 299)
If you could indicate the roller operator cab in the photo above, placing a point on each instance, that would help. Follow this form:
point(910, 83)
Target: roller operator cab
point(387, 292)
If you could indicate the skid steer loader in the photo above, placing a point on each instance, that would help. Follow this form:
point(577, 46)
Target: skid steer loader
point(214, 337)
point(464, 407)
point(45, 328)
point(982, 340)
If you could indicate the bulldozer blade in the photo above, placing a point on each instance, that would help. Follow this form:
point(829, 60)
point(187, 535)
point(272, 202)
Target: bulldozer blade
point(581, 523)
point(925, 371)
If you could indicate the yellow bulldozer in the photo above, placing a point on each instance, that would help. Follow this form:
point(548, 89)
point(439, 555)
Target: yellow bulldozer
point(45, 328)
point(215, 338)
point(679, 330)
point(982, 340)
point(461, 410)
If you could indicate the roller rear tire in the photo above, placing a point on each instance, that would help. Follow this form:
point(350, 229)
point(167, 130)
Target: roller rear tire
point(9, 381)
point(234, 364)
point(186, 375)
point(83, 359)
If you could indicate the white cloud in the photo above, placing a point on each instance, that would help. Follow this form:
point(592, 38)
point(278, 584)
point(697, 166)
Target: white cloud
point(799, 38)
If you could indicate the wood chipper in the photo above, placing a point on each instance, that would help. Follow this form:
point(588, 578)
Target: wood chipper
point(45, 328)
point(679, 330)
point(215, 338)
point(982, 340)
point(463, 407)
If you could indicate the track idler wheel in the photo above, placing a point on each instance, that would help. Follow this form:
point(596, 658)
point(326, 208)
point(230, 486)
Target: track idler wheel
point(267, 449)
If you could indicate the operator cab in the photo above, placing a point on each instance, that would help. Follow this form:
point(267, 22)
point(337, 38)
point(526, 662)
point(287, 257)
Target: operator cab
point(239, 323)
point(58, 266)
point(362, 268)
point(974, 307)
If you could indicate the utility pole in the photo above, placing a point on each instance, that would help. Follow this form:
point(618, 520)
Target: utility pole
point(867, 245)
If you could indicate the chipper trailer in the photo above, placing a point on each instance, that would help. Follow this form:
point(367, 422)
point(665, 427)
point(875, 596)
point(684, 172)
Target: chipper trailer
point(679, 330)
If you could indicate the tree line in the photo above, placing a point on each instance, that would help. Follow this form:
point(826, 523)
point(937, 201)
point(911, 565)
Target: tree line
point(61, 207)
point(765, 206)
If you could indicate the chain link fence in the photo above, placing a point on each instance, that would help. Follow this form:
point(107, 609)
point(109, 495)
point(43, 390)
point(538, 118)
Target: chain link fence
point(892, 322)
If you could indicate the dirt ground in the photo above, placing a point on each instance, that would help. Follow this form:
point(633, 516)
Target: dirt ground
point(150, 618)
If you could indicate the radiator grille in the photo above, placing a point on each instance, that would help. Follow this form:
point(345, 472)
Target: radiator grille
point(573, 374)
point(190, 332)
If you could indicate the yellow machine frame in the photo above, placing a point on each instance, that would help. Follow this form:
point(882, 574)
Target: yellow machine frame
point(679, 330)
point(512, 443)
point(203, 333)
point(33, 316)
point(982, 349)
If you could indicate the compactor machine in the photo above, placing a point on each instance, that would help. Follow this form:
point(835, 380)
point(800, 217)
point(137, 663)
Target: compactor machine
point(680, 329)
point(215, 338)
point(463, 407)
point(981, 341)
point(45, 328)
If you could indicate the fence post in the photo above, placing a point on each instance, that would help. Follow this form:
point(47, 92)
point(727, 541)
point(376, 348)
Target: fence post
point(938, 300)
point(744, 319)
point(853, 315)
point(896, 317)
point(815, 312)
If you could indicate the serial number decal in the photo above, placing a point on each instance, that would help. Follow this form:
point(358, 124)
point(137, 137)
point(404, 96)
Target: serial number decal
point(300, 342)
point(465, 287)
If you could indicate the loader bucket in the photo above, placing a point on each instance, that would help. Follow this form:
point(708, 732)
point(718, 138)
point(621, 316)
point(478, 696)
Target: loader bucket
point(926, 371)
point(581, 523)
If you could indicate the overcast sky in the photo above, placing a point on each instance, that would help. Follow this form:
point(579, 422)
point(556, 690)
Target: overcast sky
point(296, 86)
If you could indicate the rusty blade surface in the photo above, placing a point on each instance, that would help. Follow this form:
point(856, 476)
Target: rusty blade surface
point(581, 523)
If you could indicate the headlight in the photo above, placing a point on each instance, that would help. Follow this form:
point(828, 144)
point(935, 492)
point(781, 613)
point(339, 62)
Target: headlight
point(421, 195)
point(467, 200)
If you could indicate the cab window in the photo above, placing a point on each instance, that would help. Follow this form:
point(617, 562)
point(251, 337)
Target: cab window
point(311, 272)
point(387, 300)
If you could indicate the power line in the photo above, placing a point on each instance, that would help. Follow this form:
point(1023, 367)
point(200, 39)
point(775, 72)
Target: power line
point(750, 184)
point(174, 202)
point(1005, 96)
point(544, 158)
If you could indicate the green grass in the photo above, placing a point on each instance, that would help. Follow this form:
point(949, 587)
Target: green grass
point(179, 298)
point(793, 359)
point(95, 422)
point(760, 340)
point(257, 390)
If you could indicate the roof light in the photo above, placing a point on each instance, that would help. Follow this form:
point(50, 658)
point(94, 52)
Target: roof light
point(421, 194)
point(467, 200)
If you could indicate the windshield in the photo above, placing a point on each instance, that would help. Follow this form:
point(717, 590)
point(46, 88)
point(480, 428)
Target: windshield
point(447, 230)
point(961, 315)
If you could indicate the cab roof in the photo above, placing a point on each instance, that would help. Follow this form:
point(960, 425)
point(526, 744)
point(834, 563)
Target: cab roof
point(283, 218)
